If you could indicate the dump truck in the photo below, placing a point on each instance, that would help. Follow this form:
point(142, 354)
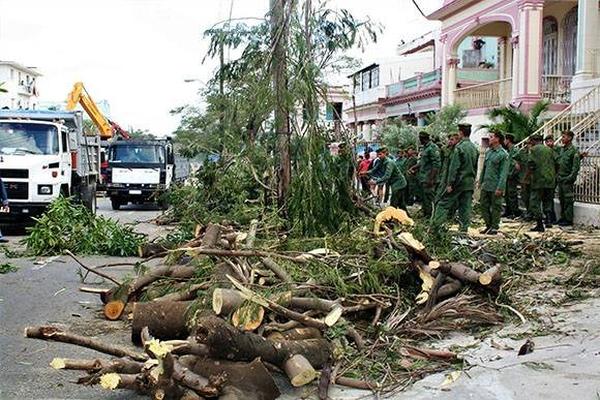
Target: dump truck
point(141, 171)
point(45, 154)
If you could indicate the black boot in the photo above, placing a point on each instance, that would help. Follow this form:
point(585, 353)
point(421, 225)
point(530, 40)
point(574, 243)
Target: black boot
point(539, 227)
point(548, 222)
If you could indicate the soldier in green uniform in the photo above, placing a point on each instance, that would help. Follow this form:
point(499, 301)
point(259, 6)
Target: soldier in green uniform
point(427, 169)
point(493, 183)
point(392, 177)
point(542, 170)
point(461, 182)
point(568, 167)
point(512, 182)
point(411, 179)
point(446, 154)
point(525, 178)
point(549, 142)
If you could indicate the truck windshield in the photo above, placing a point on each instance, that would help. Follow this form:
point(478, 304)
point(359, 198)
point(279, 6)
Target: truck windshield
point(137, 154)
point(28, 138)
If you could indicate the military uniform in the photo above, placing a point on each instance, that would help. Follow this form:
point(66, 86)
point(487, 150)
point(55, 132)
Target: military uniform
point(493, 178)
point(522, 158)
point(412, 188)
point(461, 176)
point(512, 184)
point(568, 168)
point(542, 169)
point(429, 161)
point(395, 182)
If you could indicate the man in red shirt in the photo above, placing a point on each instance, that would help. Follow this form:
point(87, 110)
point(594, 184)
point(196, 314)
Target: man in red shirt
point(363, 167)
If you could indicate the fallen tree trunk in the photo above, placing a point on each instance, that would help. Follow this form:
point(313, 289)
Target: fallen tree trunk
point(461, 272)
point(164, 319)
point(295, 334)
point(57, 335)
point(226, 342)
point(121, 365)
point(245, 381)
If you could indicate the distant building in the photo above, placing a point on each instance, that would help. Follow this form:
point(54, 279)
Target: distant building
point(21, 84)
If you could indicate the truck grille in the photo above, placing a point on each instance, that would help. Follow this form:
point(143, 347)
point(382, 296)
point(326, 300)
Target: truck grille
point(14, 173)
point(17, 190)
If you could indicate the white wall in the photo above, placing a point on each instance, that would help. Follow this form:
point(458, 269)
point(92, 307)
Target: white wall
point(16, 93)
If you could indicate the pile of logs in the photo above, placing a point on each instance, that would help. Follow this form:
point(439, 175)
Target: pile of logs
point(226, 335)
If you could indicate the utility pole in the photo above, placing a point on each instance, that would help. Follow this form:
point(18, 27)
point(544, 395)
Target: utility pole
point(279, 38)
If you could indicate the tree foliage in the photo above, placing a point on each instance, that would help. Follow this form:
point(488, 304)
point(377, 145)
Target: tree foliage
point(237, 122)
point(513, 120)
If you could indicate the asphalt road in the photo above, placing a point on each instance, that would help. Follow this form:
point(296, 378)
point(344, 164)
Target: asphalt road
point(39, 294)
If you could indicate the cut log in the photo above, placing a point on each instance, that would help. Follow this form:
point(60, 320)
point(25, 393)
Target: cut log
point(226, 342)
point(121, 365)
point(55, 334)
point(245, 381)
point(356, 383)
point(278, 270)
point(114, 309)
point(461, 272)
point(450, 288)
point(490, 276)
point(225, 301)
point(248, 317)
point(296, 334)
point(334, 315)
point(164, 319)
point(112, 381)
point(312, 303)
point(299, 370)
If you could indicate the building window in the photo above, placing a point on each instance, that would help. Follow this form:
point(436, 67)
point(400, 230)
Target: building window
point(550, 45)
point(366, 80)
point(20, 80)
point(12, 74)
point(570, 42)
point(375, 77)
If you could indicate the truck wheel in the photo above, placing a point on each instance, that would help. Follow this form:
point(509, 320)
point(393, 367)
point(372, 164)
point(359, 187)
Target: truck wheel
point(88, 197)
point(115, 203)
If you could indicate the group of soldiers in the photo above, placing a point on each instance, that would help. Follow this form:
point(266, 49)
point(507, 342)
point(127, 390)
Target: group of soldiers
point(444, 179)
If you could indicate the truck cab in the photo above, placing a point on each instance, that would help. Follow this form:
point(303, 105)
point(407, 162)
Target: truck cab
point(44, 155)
point(139, 171)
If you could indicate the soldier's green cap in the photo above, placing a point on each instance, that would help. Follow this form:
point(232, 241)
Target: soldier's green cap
point(451, 134)
point(381, 149)
point(510, 136)
point(537, 137)
point(549, 137)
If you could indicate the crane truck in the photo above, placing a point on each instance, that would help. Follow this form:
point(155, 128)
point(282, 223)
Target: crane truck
point(45, 154)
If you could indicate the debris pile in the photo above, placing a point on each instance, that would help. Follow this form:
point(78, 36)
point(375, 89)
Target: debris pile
point(219, 315)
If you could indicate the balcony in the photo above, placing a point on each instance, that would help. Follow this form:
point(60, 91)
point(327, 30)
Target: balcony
point(557, 88)
point(418, 82)
point(485, 95)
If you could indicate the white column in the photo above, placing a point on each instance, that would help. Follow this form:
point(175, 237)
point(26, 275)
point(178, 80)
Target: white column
point(515, 66)
point(530, 52)
point(502, 58)
point(452, 79)
point(587, 38)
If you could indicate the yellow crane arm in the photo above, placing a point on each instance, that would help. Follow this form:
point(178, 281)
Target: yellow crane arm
point(80, 96)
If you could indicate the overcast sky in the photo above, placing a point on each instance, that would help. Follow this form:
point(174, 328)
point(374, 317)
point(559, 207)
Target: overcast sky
point(137, 53)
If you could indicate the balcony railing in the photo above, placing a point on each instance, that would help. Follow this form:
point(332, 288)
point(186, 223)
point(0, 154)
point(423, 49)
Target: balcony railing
point(557, 88)
point(415, 83)
point(587, 187)
point(485, 95)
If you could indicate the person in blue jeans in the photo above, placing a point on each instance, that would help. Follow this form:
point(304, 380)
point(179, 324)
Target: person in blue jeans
point(4, 200)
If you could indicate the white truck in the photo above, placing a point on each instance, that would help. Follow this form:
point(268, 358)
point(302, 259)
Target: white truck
point(45, 154)
point(140, 171)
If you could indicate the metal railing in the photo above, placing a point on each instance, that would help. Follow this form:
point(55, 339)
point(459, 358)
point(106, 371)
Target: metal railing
point(485, 95)
point(587, 186)
point(557, 88)
point(578, 117)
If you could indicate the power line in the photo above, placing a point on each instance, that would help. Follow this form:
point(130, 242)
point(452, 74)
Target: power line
point(419, 8)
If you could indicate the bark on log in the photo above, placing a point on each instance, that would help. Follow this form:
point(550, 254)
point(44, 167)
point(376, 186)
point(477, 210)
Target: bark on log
point(296, 334)
point(121, 365)
point(226, 342)
point(461, 272)
point(278, 270)
point(245, 381)
point(57, 335)
point(449, 288)
point(152, 249)
point(164, 319)
point(299, 370)
point(356, 383)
